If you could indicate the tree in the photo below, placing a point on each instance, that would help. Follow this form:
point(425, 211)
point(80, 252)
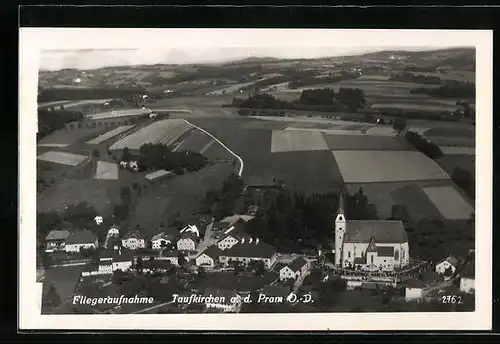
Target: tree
point(260, 269)
point(399, 125)
point(126, 155)
point(238, 268)
point(95, 153)
point(125, 195)
point(139, 265)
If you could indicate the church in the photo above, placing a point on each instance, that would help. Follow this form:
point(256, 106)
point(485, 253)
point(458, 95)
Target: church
point(370, 245)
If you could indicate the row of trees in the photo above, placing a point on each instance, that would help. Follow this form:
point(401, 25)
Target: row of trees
point(52, 119)
point(430, 149)
point(159, 156)
point(56, 94)
point(416, 78)
point(465, 180)
point(313, 79)
point(221, 203)
point(461, 90)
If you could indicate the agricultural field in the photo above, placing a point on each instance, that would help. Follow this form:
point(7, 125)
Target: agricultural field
point(366, 142)
point(109, 134)
point(182, 194)
point(165, 131)
point(443, 141)
point(62, 158)
point(118, 113)
point(414, 106)
point(450, 203)
point(195, 140)
point(66, 137)
point(465, 162)
point(451, 132)
point(387, 166)
point(295, 141)
point(64, 279)
point(106, 170)
point(410, 194)
point(458, 150)
point(72, 104)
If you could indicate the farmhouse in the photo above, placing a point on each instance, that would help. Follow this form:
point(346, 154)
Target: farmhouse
point(447, 266)
point(467, 278)
point(370, 245)
point(122, 262)
point(105, 265)
point(295, 269)
point(133, 240)
point(222, 300)
point(233, 235)
point(209, 257)
point(159, 241)
point(56, 240)
point(246, 252)
point(187, 241)
point(113, 231)
point(152, 266)
point(78, 240)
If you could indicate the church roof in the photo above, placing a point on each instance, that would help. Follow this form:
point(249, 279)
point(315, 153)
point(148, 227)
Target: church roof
point(383, 232)
point(385, 251)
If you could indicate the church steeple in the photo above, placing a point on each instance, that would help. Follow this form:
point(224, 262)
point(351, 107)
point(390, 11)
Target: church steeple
point(341, 209)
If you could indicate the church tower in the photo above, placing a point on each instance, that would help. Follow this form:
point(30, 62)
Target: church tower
point(340, 227)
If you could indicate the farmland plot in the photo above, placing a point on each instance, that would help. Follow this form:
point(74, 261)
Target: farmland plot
point(106, 170)
point(387, 166)
point(62, 158)
point(454, 141)
point(294, 141)
point(110, 134)
point(458, 150)
point(450, 132)
point(161, 131)
point(195, 141)
point(263, 125)
point(366, 142)
point(66, 137)
point(449, 202)
point(413, 106)
point(450, 162)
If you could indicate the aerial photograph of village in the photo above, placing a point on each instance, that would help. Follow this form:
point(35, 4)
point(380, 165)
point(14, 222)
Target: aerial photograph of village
point(247, 181)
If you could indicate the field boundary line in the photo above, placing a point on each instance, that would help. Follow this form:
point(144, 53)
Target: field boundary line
point(240, 172)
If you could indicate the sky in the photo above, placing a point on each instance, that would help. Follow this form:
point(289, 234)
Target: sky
point(96, 58)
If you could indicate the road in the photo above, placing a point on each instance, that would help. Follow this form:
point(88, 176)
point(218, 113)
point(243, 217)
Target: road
point(240, 172)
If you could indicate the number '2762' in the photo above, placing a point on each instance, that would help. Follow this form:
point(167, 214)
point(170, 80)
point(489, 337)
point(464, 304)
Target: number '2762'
point(451, 299)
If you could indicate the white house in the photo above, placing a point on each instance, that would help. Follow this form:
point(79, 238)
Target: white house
point(159, 241)
point(414, 290)
point(467, 279)
point(448, 263)
point(378, 245)
point(232, 236)
point(209, 257)
point(246, 252)
point(297, 268)
point(106, 265)
point(187, 242)
point(56, 240)
point(114, 231)
point(191, 228)
point(98, 220)
point(222, 300)
point(133, 240)
point(82, 239)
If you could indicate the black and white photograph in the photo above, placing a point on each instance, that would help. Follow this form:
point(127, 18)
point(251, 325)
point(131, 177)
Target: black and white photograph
point(328, 179)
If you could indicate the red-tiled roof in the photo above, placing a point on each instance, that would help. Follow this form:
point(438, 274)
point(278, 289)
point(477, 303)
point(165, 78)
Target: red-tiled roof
point(386, 231)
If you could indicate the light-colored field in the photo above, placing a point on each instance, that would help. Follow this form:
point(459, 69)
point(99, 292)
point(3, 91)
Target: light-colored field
point(71, 104)
point(458, 150)
point(57, 145)
point(449, 202)
point(295, 141)
point(375, 131)
point(118, 113)
point(62, 158)
point(230, 89)
point(410, 106)
point(387, 166)
point(106, 170)
point(110, 134)
point(454, 141)
point(159, 132)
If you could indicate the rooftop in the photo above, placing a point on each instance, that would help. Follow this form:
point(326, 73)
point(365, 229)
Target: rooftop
point(415, 283)
point(385, 231)
point(247, 250)
point(80, 237)
point(133, 234)
point(469, 271)
point(57, 235)
point(212, 251)
point(385, 251)
point(452, 260)
point(297, 264)
point(157, 174)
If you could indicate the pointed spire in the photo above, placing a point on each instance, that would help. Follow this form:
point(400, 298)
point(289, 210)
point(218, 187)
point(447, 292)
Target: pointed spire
point(341, 208)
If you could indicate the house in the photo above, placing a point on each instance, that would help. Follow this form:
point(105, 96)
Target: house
point(114, 231)
point(171, 256)
point(295, 269)
point(233, 235)
point(133, 240)
point(467, 278)
point(187, 241)
point(82, 239)
point(246, 252)
point(56, 240)
point(209, 257)
point(105, 265)
point(122, 261)
point(414, 290)
point(160, 241)
point(191, 228)
point(156, 265)
point(449, 264)
point(370, 245)
point(222, 300)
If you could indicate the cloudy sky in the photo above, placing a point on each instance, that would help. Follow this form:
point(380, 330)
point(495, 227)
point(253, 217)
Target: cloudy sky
point(96, 58)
